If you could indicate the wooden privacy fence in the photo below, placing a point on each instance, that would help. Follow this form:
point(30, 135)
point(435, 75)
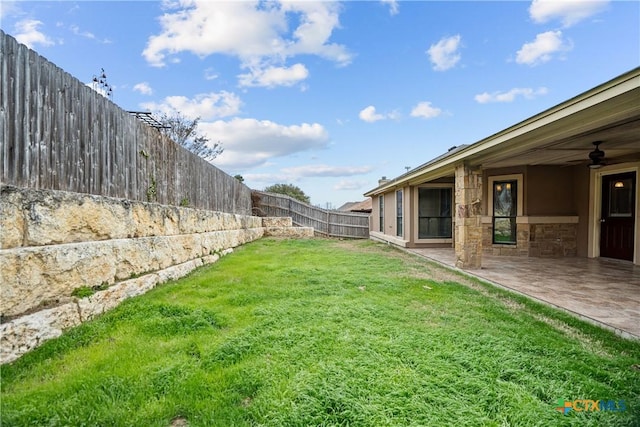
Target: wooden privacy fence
point(57, 133)
point(325, 222)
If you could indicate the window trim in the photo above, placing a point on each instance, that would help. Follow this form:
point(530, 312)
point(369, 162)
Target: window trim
point(400, 213)
point(416, 209)
point(381, 213)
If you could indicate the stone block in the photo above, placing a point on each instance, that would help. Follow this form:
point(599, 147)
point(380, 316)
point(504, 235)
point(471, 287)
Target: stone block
point(268, 222)
point(290, 232)
point(148, 220)
point(12, 226)
point(28, 332)
point(36, 275)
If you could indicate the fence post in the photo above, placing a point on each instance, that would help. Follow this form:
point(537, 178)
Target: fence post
point(328, 223)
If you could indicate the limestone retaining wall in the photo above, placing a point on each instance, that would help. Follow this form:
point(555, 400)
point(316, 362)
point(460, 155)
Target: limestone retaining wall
point(54, 242)
point(27, 332)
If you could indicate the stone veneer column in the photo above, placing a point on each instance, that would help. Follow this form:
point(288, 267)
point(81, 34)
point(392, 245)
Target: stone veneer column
point(468, 231)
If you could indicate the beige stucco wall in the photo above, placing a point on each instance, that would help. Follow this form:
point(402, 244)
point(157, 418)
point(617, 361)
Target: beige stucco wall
point(410, 220)
point(581, 201)
point(374, 221)
point(390, 213)
point(550, 191)
point(549, 223)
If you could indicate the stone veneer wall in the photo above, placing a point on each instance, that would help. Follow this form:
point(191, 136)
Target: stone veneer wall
point(536, 240)
point(468, 220)
point(53, 242)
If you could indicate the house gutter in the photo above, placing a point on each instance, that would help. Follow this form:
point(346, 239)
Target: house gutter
point(446, 166)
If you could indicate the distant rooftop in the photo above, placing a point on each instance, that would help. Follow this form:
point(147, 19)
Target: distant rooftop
point(148, 119)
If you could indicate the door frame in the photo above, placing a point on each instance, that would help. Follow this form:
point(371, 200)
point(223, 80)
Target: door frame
point(595, 207)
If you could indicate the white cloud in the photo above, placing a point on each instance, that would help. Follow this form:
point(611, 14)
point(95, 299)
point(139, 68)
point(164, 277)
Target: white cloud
point(542, 48)
point(27, 33)
point(317, 22)
point(143, 88)
point(510, 95)
point(9, 8)
point(394, 7)
point(256, 32)
point(297, 173)
point(425, 110)
point(274, 76)
point(210, 74)
point(369, 115)
point(250, 142)
point(267, 178)
point(204, 28)
point(351, 185)
point(207, 106)
point(87, 34)
point(326, 170)
point(444, 54)
point(569, 12)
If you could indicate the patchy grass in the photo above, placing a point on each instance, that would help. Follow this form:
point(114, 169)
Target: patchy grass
point(324, 332)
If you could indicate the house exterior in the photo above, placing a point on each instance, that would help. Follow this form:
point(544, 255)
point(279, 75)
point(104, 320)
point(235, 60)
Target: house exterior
point(562, 183)
point(357, 207)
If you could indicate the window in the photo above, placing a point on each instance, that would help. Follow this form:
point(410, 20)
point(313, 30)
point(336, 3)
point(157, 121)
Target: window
point(620, 198)
point(399, 232)
point(505, 210)
point(381, 204)
point(434, 213)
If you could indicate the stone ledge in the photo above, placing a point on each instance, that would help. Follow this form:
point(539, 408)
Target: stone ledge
point(276, 221)
point(291, 232)
point(30, 217)
point(25, 333)
point(35, 275)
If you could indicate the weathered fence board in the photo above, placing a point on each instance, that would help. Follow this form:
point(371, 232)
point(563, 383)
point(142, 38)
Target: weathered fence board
point(57, 133)
point(325, 222)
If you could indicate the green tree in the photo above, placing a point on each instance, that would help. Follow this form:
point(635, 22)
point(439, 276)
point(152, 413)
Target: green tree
point(185, 132)
point(290, 190)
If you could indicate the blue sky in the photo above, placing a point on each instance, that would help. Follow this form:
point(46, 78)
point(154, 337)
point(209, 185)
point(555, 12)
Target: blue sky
point(331, 96)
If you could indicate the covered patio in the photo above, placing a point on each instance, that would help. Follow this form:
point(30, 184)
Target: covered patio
point(563, 183)
point(602, 291)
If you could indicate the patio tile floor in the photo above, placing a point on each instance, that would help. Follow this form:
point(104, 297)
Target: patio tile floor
point(600, 290)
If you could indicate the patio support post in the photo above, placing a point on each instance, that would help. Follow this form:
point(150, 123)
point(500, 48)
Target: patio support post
point(468, 225)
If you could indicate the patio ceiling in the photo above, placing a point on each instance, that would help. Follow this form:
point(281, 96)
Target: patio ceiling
point(620, 143)
point(568, 142)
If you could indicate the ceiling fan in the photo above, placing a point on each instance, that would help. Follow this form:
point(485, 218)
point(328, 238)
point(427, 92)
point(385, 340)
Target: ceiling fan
point(596, 156)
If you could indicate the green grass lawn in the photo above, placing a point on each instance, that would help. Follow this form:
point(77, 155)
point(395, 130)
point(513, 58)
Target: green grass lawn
point(324, 333)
